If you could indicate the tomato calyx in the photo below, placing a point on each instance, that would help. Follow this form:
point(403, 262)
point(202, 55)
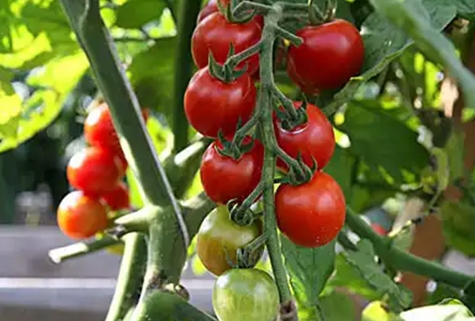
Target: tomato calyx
point(233, 148)
point(317, 16)
point(241, 213)
point(248, 256)
point(291, 117)
point(228, 12)
point(299, 173)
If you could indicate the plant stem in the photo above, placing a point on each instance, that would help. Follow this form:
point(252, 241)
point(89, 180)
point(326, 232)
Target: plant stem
point(130, 277)
point(405, 261)
point(62, 254)
point(188, 11)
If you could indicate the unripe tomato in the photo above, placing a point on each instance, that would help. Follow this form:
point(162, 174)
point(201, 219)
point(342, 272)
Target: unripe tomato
point(214, 34)
point(219, 238)
point(80, 216)
point(245, 295)
point(311, 214)
point(314, 139)
point(225, 178)
point(211, 105)
point(118, 198)
point(95, 171)
point(329, 56)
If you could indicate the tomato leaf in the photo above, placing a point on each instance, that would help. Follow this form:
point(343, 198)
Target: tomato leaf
point(458, 219)
point(134, 14)
point(309, 269)
point(341, 168)
point(448, 310)
point(363, 261)
point(337, 306)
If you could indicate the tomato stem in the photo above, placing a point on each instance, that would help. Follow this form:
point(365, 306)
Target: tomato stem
point(136, 221)
point(240, 214)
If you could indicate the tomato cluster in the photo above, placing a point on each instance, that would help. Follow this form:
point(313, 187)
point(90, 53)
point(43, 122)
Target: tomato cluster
point(97, 174)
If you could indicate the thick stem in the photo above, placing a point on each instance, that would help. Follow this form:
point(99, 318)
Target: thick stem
point(130, 277)
point(62, 254)
point(187, 13)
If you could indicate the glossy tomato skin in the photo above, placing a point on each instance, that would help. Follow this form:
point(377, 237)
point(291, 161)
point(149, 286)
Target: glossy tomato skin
point(245, 295)
point(80, 216)
point(329, 56)
point(224, 178)
point(211, 105)
point(314, 139)
point(311, 214)
point(95, 171)
point(214, 34)
point(219, 238)
point(118, 198)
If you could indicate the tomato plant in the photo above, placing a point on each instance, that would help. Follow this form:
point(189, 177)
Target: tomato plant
point(118, 198)
point(214, 35)
point(311, 214)
point(212, 105)
point(95, 171)
point(219, 238)
point(313, 140)
point(80, 216)
point(330, 54)
point(218, 171)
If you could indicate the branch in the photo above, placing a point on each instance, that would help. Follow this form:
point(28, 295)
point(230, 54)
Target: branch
point(62, 254)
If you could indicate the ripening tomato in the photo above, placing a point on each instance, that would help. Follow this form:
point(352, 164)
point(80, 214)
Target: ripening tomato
point(95, 171)
point(311, 214)
point(80, 216)
point(118, 198)
point(212, 6)
point(211, 105)
point(245, 295)
point(225, 178)
point(329, 56)
point(314, 139)
point(219, 238)
point(214, 34)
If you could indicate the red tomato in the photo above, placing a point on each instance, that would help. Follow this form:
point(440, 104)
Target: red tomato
point(311, 214)
point(95, 171)
point(80, 216)
point(314, 139)
point(212, 7)
point(211, 104)
point(378, 229)
point(214, 34)
point(329, 56)
point(118, 198)
point(224, 178)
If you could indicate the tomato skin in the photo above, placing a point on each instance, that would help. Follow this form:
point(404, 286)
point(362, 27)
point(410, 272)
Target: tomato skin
point(118, 198)
point(219, 238)
point(214, 34)
point(224, 178)
point(245, 295)
point(313, 139)
point(311, 214)
point(95, 171)
point(80, 216)
point(329, 56)
point(211, 105)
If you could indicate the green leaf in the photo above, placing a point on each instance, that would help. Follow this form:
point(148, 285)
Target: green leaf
point(450, 310)
point(381, 140)
point(341, 168)
point(363, 261)
point(338, 306)
point(134, 14)
point(458, 220)
point(455, 150)
point(309, 269)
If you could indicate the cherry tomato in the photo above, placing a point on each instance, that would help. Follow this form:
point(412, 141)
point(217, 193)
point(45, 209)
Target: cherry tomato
point(214, 34)
point(80, 216)
point(118, 198)
point(329, 56)
point(311, 214)
point(95, 171)
point(245, 295)
point(219, 238)
point(314, 139)
point(211, 104)
point(225, 178)
point(212, 6)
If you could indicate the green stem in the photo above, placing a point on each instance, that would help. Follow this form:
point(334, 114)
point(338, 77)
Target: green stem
point(188, 11)
point(130, 277)
point(62, 254)
point(404, 261)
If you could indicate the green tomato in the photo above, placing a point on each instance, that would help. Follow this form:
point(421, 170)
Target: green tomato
point(245, 295)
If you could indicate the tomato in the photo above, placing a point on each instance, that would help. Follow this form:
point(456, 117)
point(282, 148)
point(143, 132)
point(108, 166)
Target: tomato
point(311, 214)
point(80, 216)
point(219, 238)
point(212, 7)
point(211, 104)
point(329, 56)
point(224, 178)
point(314, 139)
point(378, 229)
point(214, 34)
point(245, 295)
point(95, 171)
point(118, 198)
